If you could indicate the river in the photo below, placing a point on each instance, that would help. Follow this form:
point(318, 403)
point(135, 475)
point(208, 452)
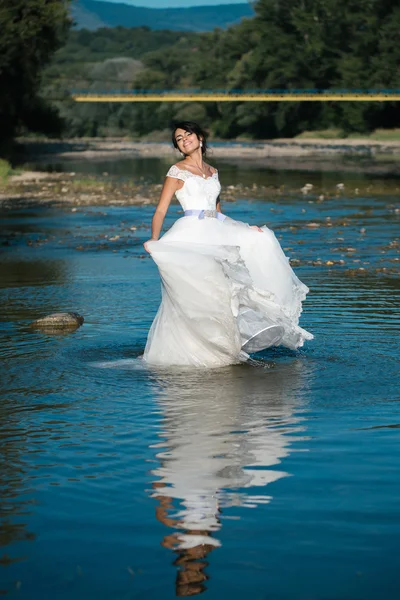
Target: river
point(275, 479)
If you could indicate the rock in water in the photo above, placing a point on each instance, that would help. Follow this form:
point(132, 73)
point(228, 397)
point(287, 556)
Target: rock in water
point(61, 320)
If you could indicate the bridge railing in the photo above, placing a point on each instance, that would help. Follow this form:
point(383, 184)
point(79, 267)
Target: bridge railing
point(234, 94)
point(237, 91)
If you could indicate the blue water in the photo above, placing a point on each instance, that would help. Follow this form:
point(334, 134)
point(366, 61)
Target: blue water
point(277, 479)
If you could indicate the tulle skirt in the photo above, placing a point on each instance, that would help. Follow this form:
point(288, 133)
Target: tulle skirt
point(227, 291)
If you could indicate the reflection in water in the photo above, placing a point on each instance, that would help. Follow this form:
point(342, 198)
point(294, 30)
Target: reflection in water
point(14, 505)
point(16, 273)
point(223, 434)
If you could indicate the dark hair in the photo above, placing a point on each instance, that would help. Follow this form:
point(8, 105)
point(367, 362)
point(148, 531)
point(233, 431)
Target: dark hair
point(191, 127)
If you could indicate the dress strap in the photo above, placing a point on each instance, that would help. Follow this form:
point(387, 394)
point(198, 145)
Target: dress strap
point(177, 173)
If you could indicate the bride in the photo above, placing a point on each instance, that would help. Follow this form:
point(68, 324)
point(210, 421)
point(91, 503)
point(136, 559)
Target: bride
point(227, 288)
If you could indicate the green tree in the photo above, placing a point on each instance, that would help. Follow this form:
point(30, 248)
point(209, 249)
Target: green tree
point(319, 44)
point(288, 45)
point(30, 33)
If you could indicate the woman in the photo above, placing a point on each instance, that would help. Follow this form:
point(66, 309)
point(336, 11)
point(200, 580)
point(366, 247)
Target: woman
point(227, 288)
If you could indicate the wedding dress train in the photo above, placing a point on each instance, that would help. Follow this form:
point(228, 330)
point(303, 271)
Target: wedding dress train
point(227, 289)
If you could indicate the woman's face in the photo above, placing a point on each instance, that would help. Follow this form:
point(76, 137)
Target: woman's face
point(187, 142)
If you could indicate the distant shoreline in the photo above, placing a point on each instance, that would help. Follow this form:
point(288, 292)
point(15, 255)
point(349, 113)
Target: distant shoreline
point(346, 155)
point(92, 148)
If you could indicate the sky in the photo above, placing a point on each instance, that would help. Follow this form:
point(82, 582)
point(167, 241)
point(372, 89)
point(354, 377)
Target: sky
point(176, 3)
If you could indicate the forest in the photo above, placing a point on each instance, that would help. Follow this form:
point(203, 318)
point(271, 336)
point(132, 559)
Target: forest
point(289, 44)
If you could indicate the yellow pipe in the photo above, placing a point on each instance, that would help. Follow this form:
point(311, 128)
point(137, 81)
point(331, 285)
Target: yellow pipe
point(345, 97)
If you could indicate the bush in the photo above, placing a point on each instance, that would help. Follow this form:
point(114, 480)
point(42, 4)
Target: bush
point(5, 170)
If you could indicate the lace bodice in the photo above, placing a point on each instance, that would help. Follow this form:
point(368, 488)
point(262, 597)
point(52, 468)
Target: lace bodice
point(197, 192)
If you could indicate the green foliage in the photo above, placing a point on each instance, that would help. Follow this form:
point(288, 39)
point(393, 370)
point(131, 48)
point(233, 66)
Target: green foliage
point(5, 170)
point(318, 44)
point(116, 59)
point(30, 33)
point(95, 46)
point(379, 135)
point(288, 45)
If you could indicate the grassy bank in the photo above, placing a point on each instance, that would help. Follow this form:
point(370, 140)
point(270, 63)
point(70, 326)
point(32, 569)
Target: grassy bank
point(379, 135)
point(5, 170)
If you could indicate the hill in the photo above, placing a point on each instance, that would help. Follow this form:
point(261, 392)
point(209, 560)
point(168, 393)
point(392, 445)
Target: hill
point(92, 14)
point(85, 46)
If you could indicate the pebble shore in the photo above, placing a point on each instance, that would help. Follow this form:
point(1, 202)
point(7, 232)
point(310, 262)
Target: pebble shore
point(58, 189)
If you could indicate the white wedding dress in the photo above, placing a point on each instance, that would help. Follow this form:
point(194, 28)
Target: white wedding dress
point(227, 289)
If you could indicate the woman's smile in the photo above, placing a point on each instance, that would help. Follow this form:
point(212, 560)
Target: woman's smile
point(187, 142)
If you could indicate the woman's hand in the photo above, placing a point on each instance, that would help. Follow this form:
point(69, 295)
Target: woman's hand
point(145, 244)
point(256, 227)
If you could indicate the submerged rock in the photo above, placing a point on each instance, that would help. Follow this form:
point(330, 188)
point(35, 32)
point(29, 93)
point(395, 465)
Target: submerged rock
point(61, 320)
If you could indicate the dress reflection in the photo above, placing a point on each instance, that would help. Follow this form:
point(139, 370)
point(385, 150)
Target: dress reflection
point(223, 434)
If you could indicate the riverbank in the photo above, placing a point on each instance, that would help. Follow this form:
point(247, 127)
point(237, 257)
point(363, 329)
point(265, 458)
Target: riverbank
point(75, 189)
point(37, 187)
point(79, 189)
point(105, 172)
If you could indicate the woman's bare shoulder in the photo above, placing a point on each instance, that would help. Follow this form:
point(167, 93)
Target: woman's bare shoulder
point(212, 169)
point(180, 165)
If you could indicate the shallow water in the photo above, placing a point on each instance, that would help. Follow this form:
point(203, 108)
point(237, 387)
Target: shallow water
point(276, 479)
point(355, 170)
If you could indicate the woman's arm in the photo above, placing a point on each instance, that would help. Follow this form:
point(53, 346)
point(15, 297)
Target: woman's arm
point(171, 185)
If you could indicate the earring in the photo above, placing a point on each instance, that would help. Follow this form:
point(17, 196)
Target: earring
point(201, 144)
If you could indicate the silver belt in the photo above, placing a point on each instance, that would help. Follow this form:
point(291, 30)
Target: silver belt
point(201, 214)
